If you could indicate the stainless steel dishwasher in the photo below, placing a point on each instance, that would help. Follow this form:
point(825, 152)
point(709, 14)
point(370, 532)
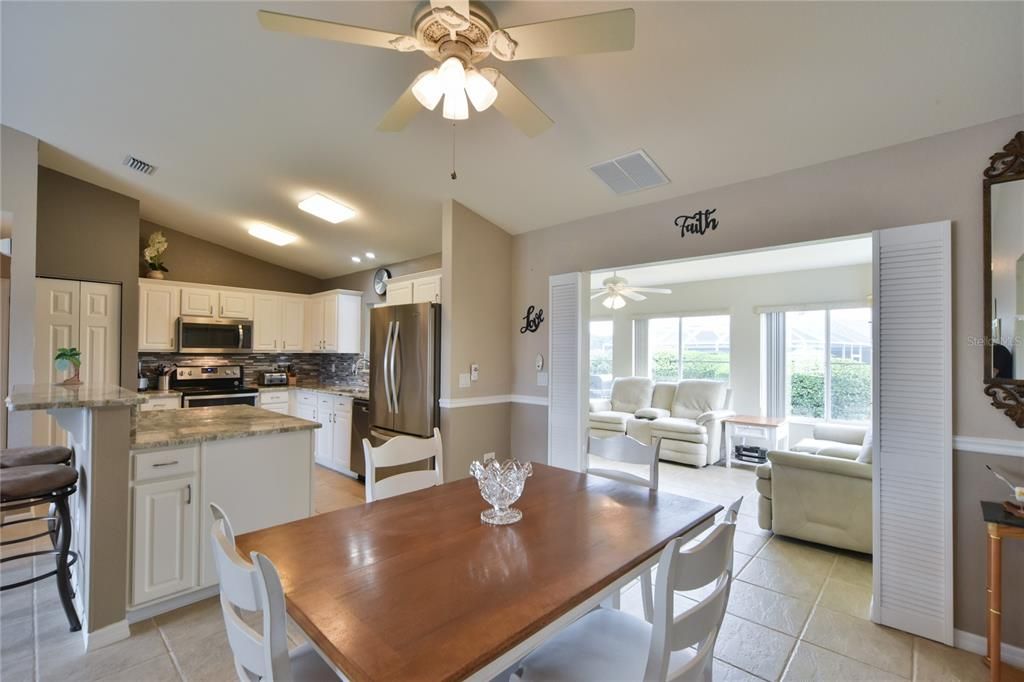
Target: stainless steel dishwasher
point(360, 430)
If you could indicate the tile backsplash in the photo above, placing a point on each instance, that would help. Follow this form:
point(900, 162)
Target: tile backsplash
point(309, 367)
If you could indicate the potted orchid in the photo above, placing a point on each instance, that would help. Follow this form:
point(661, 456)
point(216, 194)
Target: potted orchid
point(153, 255)
point(68, 358)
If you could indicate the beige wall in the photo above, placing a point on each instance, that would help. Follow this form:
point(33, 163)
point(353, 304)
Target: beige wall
point(190, 259)
point(363, 280)
point(476, 280)
point(19, 164)
point(932, 179)
point(90, 233)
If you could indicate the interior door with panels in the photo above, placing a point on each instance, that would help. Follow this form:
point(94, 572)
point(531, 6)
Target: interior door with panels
point(100, 333)
point(568, 371)
point(57, 325)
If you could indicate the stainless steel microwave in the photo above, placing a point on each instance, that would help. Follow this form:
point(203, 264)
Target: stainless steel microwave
point(214, 335)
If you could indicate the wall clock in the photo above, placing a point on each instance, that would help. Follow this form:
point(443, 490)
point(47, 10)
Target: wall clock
point(380, 281)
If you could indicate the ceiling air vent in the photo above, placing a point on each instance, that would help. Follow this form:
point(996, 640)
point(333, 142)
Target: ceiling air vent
point(139, 165)
point(630, 173)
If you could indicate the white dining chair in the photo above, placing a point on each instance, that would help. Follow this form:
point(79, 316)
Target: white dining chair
point(628, 450)
point(395, 452)
point(256, 587)
point(607, 644)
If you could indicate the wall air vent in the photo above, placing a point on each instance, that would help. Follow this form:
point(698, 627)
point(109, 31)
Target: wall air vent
point(139, 165)
point(630, 173)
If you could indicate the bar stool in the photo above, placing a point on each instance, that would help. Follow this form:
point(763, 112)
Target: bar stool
point(34, 454)
point(23, 487)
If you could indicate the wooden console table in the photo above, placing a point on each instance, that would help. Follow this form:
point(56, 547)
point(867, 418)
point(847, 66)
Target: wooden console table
point(1000, 525)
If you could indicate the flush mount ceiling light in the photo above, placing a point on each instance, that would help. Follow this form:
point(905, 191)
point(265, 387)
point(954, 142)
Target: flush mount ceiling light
point(370, 255)
point(271, 234)
point(326, 208)
point(357, 259)
point(459, 34)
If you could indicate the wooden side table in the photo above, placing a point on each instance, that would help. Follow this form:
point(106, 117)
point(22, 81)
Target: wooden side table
point(1000, 525)
point(771, 433)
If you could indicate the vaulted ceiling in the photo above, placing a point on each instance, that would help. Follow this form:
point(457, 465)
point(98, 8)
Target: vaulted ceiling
point(242, 123)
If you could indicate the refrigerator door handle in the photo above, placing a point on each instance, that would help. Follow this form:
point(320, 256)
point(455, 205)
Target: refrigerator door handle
point(396, 385)
point(387, 356)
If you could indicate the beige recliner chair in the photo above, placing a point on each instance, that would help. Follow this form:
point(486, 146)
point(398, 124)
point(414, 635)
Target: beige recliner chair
point(818, 497)
point(692, 432)
point(629, 394)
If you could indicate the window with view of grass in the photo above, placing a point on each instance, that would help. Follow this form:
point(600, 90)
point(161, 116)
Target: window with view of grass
point(601, 373)
point(828, 364)
point(676, 348)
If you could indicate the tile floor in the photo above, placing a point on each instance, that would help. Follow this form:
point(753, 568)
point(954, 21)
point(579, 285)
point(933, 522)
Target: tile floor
point(797, 612)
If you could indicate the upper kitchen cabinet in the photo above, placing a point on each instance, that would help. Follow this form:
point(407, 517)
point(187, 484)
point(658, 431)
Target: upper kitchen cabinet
point(236, 305)
point(278, 323)
point(196, 302)
point(422, 287)
point(335, 319)
point(158, 313)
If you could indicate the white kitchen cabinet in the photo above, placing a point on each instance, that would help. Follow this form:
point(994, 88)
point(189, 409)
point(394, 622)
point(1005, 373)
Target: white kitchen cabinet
point(266, 322)
point(426, 290)
point(196, 302)
point(421, 287)
point(399, 293)
point(235, 305)
point(293, 324)
point(158, 316)
point(325, 434)
point(335, 322)
point(165, 518)
point(334, 437)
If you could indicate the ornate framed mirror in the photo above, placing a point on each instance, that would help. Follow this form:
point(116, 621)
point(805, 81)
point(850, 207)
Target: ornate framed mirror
point(1003, 189)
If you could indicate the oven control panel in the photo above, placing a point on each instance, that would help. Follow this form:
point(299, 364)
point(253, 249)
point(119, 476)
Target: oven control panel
point(213, 372)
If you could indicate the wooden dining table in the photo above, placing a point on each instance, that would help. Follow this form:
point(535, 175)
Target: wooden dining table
point(416, 587)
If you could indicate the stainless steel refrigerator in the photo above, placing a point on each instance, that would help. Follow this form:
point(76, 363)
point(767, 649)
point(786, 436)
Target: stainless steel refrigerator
point(405, 361)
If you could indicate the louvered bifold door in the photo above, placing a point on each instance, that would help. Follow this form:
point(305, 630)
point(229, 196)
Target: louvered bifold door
point(912, 411)
point(567, 377)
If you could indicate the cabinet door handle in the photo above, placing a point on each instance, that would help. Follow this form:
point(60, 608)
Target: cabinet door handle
point(188, 488)
point(164, 464)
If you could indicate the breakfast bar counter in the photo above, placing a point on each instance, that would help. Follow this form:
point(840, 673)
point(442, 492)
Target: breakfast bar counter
point(168, 428)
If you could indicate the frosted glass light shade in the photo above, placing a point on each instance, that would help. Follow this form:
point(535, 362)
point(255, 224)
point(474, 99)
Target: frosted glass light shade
point(452, 75)
point(614, 302)
point(428, 89)
point(480, 90)
point(456, 108)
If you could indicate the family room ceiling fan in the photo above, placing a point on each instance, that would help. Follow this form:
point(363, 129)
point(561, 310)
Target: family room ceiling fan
point(617, 290)
point(459, 34)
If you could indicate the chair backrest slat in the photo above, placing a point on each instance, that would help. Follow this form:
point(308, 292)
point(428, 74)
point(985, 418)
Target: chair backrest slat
point(628, 450)
point(398, 451)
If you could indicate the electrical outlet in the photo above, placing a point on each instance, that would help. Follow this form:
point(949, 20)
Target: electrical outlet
point(542, 378)
point(464, 381)
point(474, 372)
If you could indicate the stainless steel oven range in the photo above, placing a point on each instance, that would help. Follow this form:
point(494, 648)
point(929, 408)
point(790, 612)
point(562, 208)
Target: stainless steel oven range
point(209, 385)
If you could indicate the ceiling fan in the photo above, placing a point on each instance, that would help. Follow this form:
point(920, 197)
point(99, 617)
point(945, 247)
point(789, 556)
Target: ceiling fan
point(459, 34)
point(617, 290)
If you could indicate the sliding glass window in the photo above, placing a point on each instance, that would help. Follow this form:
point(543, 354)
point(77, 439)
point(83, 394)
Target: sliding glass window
point(676, 348)
point(601, 358)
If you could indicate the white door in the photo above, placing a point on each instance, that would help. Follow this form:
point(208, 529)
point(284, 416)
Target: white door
point(316, 324)
point(158, 317)
point(266, 322)
point(568, 384)
point(331, 309)
point(350, 321)
point(100, 333)
point(426, 290)
point(341, 450)
point(236, 305)
point(198, 302)
point(913, 439)
point(57, 322)
point(293, 320)
point(399, 293)
point(163, 538)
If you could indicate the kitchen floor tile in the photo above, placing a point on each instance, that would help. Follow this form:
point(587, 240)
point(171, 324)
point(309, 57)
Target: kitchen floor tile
point(771, 609)
point(934, 662)
point(848, 598)
point(753, 648)
point(812, 663)
point(797, 580)
point(853, 569)
point(875, 645)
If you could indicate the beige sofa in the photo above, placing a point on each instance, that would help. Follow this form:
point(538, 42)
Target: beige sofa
point(822, 497)
point(686, 416)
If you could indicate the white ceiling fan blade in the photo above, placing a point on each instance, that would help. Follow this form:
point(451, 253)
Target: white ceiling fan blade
point(598, 294)
point(460, 6)
point(516, 106)
point(652, 291)
point(603, 32)
point(400, 113)
point(631, 293)
point(327, 30)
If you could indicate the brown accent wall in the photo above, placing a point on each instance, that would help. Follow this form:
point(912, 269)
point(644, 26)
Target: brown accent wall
point(936, 178)
point(191, 259)
point(363, 280)
point(90, 233)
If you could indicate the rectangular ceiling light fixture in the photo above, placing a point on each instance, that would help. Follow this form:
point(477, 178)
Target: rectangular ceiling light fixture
point(630, 173)
point(271, 234)
point(326, 208)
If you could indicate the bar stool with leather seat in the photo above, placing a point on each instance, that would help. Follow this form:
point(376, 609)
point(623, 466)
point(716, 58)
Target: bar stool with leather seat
point(34, 454)
point(23, 487)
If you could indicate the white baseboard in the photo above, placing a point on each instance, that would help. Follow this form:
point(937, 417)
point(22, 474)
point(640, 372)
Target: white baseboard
point(147, 611)
point(977, 644)
point(105, 636)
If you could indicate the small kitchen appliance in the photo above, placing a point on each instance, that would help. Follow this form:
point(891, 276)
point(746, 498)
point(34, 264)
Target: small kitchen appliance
point(273, 379)
point(208, 335)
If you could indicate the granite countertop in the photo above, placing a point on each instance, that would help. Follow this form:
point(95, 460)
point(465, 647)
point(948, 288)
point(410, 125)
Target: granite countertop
point(167, 428)
point(50, 396)
point(155, 393)
point(351, 390)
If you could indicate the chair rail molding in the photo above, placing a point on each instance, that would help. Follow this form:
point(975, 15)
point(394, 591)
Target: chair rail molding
point(988, 446)
point(454, 403)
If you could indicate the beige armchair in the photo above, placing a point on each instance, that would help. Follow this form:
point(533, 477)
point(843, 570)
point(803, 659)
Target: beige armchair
point(692, 434)
point(609, 417)
point(818, 498)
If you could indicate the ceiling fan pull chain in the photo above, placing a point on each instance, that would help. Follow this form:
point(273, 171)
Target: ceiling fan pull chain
point(454, 176)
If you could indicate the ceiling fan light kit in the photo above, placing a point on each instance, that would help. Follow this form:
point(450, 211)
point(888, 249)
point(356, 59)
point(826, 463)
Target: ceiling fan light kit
point(616, 290)
point(459, 34)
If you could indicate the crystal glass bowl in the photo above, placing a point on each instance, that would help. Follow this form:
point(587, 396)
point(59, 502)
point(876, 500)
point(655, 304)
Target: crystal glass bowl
point(501, 484)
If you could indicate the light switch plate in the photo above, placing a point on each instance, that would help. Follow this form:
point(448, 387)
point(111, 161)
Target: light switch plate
point(464, 381)
point(474, 372)
point(542, 378)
